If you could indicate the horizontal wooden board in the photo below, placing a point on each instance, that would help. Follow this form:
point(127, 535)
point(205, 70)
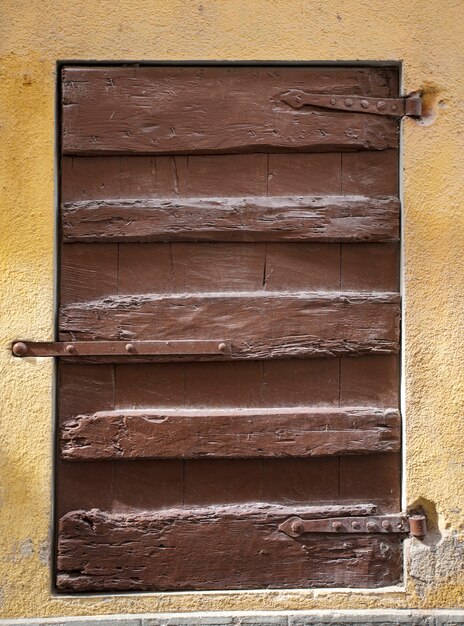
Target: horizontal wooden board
point(292, 218)
point(239, 433)
point(175, 110)
point(365, 173)
point(229, 547)
point(94, 270)
point(274, 325)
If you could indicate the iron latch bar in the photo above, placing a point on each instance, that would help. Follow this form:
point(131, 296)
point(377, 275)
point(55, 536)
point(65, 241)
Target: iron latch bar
point(118, 348)
point(408, 106)
point(414, 525)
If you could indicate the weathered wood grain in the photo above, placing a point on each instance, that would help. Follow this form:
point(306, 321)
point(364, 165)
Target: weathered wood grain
point(273, 325)
point(291, 218)
point(229, 547)
point(173, 110)
point(239, 433)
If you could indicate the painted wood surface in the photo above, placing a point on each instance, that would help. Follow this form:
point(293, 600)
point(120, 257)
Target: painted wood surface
point(307, 218)
point(258, 326)
point(161, 110)
point(239, 433)
point(196, 203)
point(229, 547)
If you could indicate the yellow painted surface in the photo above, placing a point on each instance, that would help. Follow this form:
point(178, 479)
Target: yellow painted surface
point(429, 38)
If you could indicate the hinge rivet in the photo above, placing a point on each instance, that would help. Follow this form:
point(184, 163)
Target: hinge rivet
point(337, 526)
point(333, 101)
point(356, 525)
point(70, 349)
point(298, 528)
point(349, 102)
point(222, 347)
point(364, 104)
point(371, 526)
point(19, 348)
point(380, 105)
point(386, 525)
point(130, 348)
point(394, 107)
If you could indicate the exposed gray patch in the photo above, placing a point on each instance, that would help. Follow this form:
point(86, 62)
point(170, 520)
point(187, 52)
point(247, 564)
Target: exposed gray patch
point(219, 620)
point(272, 618)
point(355, 618)
point(21, 550)
point(26, 548)
point(431, 564)
point(44, 552)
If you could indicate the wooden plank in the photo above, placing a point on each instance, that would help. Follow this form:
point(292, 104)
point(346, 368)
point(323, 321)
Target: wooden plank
point(284, 218)
point(306, 174)
point(88, 271)
point(229, 547)
point(136, 177)
point(189, 267)
point(301, 267)
point(274, 325)
point(239, 433)
point(184, 110)
point(374, 173)
point(370, 266)
point(370, 380)
point(375, 477)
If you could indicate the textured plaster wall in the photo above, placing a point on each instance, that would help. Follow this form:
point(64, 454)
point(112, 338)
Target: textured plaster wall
point(428, 37)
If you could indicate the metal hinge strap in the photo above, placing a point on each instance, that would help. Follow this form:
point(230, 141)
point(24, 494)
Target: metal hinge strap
point(408, 106)
point(119, 348)
point(414, 525)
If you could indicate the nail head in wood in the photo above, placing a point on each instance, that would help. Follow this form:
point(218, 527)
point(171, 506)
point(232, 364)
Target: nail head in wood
point(130, 348)
point(70, 349)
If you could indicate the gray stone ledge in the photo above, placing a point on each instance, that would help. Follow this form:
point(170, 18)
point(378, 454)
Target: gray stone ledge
point(442, 617)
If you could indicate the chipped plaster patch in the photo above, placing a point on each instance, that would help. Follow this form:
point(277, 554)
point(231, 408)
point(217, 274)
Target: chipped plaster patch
point(436, 564)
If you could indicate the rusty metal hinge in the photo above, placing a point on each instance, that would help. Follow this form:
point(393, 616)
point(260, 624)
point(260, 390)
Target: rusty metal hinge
point(414, 525)
point(407, 106)
point(119, 348)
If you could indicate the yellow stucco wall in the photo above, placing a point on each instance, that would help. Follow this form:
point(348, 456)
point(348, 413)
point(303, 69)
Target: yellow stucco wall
point(428, 36)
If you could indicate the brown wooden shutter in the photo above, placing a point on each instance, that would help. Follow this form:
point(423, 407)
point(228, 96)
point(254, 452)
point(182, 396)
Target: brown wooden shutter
point(232, 263)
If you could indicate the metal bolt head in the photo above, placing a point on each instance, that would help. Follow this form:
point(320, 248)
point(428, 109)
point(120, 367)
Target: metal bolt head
point(364, 104)
point(349, 102)
point(337, 526)
point(70, 349)
point(222, 347)
point(381, 105)
point(394, 107)
point(356, 525)
point(386, 525)
point(333, 101)
point(19, 348)
point(371, 526)
point(130, 348)
point(297, 527)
